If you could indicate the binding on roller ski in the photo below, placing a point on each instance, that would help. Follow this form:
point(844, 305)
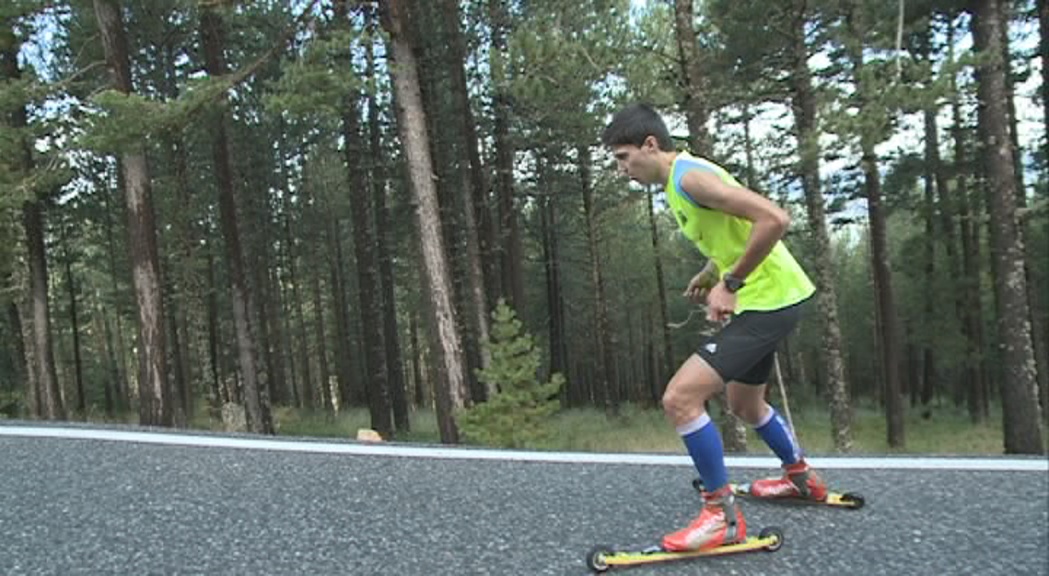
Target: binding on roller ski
point(604, 558)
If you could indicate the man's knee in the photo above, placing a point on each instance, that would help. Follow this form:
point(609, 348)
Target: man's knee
point(688, 390)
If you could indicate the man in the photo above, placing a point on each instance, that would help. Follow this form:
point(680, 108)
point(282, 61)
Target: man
point(753, 287)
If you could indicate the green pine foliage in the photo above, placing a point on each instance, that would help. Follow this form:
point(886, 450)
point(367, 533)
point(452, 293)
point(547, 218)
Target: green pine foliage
point(518, 414)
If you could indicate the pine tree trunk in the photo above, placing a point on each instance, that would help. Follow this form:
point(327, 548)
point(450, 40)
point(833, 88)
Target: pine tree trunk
point(369, 289)
point(418, 363)
point(256, 400)
point(18, 350)
point(33, 400)
point(803, 104)
point(668, 365)
point(338, 292)
point(411, 121)
point(552, 268)
point(304, 385)
point(692, 78)
point(884, 301)
point(1038, 328)
point(972, 325)
point(155, 402)
point(287, 317)
point(1021, 415)
point(177, 378)
point(271, 291)
point(41, 358)
point(928, 376)
point(947, 211)
point(50, 406)
point(120, 384)
point(477, 217)
point(606, 379)
point(429, 44)
point(512, 277)
point(180, 281)
point(1043, 49)
point(268, 289)
point(78, 367)
point(384, 249)
point(885, 304)
point(347, 385)
point(100, 326)
point(324, 373)
point(218, 391)
point(272, 327)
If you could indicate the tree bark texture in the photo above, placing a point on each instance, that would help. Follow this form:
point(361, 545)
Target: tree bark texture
point(693, 82)
point(477, 215)
point(411, 121)
point(606, 374)
point(968, 232)
point(256, 400)
point(552, 268)
point(50, 405)
point(43, 394)
point(1043, 49)
point(74, 324)
point(509, 232)
point(1020, 410)
point(391, 331)
point(18, 350)
point(155, 402)
point(369, 290)
point(803, 105)
point(885, 304)
point(928, 363)
point(667, 351)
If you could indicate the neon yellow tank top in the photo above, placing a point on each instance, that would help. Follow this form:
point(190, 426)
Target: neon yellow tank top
point(777, 282)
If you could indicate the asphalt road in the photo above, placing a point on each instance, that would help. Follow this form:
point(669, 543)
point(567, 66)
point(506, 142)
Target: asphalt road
point(71, 506)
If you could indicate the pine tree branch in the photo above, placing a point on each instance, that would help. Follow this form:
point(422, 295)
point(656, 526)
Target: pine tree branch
point(230, 81)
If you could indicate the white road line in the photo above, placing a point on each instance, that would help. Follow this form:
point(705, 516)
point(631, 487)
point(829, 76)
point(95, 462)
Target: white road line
point(380, 449)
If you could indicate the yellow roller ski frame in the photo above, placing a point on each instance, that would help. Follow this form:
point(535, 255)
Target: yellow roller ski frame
point(602, 558)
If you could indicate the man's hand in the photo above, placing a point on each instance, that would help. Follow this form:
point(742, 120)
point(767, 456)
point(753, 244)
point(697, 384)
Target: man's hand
point(720, 303)
point(701, 283)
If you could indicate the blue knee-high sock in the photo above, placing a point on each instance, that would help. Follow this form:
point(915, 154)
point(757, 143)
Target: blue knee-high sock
point(775, 432)
point(704, 445)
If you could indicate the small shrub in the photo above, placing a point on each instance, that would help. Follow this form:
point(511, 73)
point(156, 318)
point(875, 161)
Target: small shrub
point(518, 414)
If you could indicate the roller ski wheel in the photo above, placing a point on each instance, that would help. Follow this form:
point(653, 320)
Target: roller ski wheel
point(773, 534)
point(601, 559)
point(595, 559)
point(850, 500)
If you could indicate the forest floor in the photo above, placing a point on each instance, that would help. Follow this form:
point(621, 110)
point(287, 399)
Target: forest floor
point(942, 429)
point(938, 430)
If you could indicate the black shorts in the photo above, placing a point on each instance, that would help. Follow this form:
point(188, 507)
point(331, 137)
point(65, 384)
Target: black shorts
point(744, 350)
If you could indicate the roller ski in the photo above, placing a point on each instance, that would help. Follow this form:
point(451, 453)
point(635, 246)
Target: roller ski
point(603, 558)
point(719, 529)
point(798, 484)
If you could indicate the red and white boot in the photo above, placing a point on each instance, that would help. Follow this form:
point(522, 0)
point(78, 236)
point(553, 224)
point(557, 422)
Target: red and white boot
point(720, 522)
point(798, 481)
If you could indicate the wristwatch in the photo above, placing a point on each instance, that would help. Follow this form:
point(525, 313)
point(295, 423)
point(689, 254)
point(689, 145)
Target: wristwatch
point(732, 283)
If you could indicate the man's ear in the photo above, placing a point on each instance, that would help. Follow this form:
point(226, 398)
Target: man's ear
point(650, 143)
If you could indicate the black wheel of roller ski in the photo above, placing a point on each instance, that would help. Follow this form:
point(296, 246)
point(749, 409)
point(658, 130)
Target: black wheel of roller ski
point(855, 499)
point(595, 559)
point(769, 532)
point(697, 483)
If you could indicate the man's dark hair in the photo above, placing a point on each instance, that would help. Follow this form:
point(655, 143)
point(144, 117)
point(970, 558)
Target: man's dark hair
point(633, 124)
